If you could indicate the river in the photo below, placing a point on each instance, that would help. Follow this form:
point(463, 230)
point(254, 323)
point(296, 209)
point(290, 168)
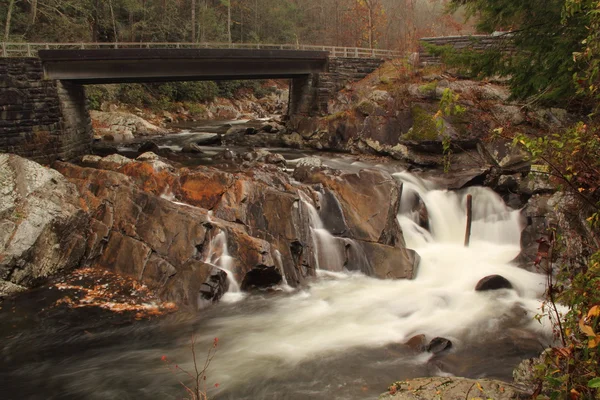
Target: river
point(339, 338)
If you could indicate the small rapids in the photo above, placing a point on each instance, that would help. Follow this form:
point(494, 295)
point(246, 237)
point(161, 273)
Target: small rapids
point(218, 256)
point(339, 338)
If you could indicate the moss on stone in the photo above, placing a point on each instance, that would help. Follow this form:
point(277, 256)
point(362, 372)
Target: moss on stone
point(335, 116)
point(424, 126)
point(428, 88)
point(366, 107)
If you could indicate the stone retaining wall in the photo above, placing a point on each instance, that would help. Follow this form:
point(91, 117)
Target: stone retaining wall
point(40, 119)
point(472, 42)
point(310, 95)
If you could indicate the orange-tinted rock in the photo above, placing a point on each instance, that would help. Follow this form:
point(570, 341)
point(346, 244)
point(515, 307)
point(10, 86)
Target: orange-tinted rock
point(125, 255)
point(417, 343)
point(147, 178)
point(203, 188)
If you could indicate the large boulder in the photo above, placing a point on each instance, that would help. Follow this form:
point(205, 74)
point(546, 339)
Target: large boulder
point(122, 126)
point(42, 224)
point(369, 201)
point(140, 233)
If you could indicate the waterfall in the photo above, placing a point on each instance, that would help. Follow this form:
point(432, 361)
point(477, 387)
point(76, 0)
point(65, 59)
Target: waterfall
point(327, 250)
point(345, 312)
point(284, 283)
point(218, 256)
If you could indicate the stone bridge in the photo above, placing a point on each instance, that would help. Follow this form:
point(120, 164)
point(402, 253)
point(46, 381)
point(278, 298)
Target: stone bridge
point(43, 112)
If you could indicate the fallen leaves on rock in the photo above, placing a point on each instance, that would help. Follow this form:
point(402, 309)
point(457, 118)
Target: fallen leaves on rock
point(94, 287)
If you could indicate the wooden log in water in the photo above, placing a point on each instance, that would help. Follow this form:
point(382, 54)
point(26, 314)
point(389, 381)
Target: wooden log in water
point(469, 219)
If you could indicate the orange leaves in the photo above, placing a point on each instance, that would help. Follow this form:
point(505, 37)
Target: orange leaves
point(593, 337)
point(91, 287)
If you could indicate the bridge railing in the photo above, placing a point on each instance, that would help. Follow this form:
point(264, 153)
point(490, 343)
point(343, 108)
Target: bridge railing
point(8, 49)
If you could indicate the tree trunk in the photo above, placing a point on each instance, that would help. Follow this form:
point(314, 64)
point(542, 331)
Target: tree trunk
point(241, 24)
point(131, 27)
point(203, 26)
point(114, 23)
point(229, 21)
point(96, 21)
point(371, 27)
point(34, 4)
point(193, 21)
point(11, 5)
point(142, 34)
point(256, 23)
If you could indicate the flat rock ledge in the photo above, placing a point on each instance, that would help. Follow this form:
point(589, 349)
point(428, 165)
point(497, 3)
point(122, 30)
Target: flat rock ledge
point(452, 388)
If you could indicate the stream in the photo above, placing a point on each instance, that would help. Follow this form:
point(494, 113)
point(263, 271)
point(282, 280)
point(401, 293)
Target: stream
point(339, 338)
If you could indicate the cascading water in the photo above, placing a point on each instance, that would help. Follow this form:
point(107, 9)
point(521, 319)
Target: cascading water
point(284, 283)
point(218, 256)
point(342, 337)
point(349, 318)
point(327, 251)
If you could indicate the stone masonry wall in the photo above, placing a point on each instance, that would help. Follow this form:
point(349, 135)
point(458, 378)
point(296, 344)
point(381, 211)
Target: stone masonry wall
point(472, 42)
point(40, 119)
point(310, 96)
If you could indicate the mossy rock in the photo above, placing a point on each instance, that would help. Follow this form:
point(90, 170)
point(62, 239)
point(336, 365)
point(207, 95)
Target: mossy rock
point(424, 126)
point(428, 89)
point(366, 107)
point(336, 116)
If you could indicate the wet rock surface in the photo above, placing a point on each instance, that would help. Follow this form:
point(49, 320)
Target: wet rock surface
point(122, 126)
point(493, 282)
point(438, 345)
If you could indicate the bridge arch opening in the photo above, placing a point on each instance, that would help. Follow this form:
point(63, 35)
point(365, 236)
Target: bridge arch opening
point(43, 99)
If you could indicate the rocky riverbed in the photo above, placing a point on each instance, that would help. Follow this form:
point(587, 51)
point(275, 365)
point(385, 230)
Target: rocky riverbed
point(342, 266)
point(145, 236)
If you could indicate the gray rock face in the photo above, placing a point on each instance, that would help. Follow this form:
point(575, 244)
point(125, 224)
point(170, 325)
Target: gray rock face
point(42, 224)
point(123, 126)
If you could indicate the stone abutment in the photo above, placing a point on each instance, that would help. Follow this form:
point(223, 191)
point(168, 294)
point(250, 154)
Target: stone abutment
point(310, 94)
point(41, 119)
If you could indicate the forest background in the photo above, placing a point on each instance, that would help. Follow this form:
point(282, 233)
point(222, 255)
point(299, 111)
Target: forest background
point(389, 24)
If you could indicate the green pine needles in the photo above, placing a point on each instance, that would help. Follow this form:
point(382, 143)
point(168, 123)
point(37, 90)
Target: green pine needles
point(545, 55)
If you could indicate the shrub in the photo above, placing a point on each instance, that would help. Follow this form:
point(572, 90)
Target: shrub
point(98, 94)
point(136, 94)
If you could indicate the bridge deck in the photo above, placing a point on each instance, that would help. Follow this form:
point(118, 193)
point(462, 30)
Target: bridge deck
point(139, 65)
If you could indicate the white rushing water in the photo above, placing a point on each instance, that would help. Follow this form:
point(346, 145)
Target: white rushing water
point(218, 255)
point(345, 311)
point(327, 251)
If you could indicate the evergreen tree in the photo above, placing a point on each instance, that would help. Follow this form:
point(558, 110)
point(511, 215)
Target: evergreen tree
point(545, 37)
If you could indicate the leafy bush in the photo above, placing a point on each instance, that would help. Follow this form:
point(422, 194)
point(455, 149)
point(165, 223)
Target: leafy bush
point(136, 94)
point(98, 94)
point(194, 91)
point(164, 96)
point(228, 89)
point(572, 370)
point(195, 109)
